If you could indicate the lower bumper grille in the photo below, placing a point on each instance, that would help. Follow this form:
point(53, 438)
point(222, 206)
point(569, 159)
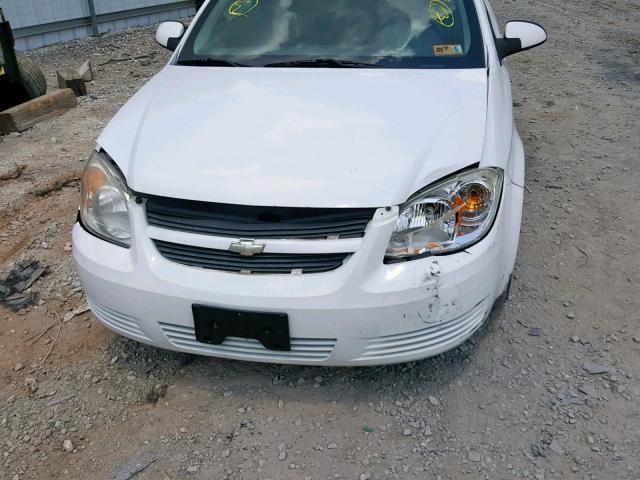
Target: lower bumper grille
point(302, 349)
point(119, 322)
point(266, 263)
point(411, 343)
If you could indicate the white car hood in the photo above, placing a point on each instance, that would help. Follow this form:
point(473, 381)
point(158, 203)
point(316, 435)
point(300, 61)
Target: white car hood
point(298, 137)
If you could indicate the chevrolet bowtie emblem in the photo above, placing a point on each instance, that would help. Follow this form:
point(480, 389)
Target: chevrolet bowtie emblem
point(247, 248)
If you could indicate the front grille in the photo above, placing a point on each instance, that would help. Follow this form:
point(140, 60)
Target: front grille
point(241, 221)
point(282, 263)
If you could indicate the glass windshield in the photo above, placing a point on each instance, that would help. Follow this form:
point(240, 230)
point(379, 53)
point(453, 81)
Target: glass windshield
point(338, 33)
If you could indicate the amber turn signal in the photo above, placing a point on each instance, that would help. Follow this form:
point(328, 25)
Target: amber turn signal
point(92, 180)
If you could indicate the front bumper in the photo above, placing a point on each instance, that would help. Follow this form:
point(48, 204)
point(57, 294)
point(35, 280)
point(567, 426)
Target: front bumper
point(363, 313)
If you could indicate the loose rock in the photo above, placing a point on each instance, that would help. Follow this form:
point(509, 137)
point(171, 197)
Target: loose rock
point(596, 369)
point(474, 456)
point(132, 468)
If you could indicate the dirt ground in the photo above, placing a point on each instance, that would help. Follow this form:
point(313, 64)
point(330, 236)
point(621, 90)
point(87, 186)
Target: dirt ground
point(516, 401)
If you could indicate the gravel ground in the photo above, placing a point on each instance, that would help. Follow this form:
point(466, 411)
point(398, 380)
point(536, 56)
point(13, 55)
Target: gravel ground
point(549, 388)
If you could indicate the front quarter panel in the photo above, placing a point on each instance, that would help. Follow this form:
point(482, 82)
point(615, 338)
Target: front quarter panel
point(502, 145)
point(499, 130)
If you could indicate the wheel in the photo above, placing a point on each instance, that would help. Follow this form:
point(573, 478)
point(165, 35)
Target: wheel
point(31, 84)
point(503, 297)
point(32, 79)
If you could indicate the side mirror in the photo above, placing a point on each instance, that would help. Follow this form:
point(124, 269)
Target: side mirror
point(520, 36)
point(169, 34)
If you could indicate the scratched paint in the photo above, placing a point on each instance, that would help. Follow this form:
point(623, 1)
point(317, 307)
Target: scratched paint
point(431, 314)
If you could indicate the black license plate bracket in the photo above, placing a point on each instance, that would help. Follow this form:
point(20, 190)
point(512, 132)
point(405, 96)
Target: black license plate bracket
point(213, 325)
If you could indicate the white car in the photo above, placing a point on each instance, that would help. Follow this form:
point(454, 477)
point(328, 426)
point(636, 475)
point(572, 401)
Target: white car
point(325, 183)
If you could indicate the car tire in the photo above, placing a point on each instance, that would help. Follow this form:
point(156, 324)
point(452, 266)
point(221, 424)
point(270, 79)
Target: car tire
point(32, 79)
point(503, 297)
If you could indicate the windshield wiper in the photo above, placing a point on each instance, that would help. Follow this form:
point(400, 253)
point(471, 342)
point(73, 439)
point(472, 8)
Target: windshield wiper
point(323, 63)
point(208, 62)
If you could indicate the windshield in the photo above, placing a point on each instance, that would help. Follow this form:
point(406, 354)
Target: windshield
point(336, 33)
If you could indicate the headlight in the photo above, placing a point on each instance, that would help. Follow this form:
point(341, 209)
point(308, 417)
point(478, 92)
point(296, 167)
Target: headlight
point(104, 199)
point(448, 216)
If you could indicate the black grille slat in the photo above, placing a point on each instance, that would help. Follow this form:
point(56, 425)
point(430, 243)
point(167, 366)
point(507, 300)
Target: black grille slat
point(240, 221)
point(300, 260)
point(315, 215)
point(265, 258)
point(291, 227)
point(253, 270)
point(247, 265)
point(255, 234)
point(266, 232)
point(278, 263)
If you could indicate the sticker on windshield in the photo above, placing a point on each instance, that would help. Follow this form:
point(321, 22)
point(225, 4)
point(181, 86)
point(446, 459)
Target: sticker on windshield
point(240, 8)
point(448, 50)
point(441, 13)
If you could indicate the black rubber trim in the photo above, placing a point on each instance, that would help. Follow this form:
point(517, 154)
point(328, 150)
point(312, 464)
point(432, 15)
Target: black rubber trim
point(173, 43)
point(508, 46)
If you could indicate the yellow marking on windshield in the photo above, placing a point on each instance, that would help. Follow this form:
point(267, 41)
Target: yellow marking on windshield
point(240, 8)
point(441, 13)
